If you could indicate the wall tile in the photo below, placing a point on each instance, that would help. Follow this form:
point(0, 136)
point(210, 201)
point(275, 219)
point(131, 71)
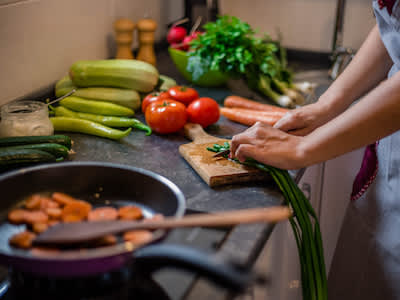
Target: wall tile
point(41, 39)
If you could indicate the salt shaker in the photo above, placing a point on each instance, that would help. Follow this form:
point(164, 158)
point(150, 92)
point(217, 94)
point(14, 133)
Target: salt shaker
point(146, 29)
point(25, 118)
point(124, 37)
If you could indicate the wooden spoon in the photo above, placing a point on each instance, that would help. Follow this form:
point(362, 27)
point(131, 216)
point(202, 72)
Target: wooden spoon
point(70, 233)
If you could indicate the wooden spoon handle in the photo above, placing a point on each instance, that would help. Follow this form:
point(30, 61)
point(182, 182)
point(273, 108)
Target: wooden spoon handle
point(228, 218)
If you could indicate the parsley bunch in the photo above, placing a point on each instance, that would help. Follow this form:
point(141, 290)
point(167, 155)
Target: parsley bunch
point(231, 46)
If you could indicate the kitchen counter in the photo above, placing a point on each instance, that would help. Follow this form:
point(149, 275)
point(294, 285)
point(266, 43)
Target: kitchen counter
point(160, 154)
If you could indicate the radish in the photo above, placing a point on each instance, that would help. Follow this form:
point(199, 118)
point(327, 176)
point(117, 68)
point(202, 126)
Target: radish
point(188, 39)
point(176, 34)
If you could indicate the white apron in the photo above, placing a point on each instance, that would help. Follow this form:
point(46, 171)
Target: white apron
point(366, 264)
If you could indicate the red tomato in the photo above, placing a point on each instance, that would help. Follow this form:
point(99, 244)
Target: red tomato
point(153, 97)
point(183, 94)
point(166, 116)
point(203, 111)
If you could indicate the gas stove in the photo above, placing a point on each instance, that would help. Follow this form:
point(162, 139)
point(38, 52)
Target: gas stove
point(121, 284)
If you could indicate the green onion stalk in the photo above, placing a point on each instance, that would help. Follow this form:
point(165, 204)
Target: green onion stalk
point(306, 229)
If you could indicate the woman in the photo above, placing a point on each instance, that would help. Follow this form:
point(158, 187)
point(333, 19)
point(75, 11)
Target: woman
point(366, 264)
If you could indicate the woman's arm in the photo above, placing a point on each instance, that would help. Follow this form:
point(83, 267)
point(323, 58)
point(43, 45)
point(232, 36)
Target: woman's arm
point(369, 67)
point(375, 116)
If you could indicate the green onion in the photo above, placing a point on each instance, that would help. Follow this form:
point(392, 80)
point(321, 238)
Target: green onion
point(305, 227)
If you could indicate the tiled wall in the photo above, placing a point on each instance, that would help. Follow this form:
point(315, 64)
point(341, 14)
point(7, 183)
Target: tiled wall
point(39, 39)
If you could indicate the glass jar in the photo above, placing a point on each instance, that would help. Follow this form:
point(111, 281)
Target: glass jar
point(25, 118)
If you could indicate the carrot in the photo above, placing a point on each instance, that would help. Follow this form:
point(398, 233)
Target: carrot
point(156, 217)
point(240, 102)
point(62, 199)
point(39, 227)
point(36, 216)
point(17, 216)
point(54, 213)
point(46, 203)
point(106, 213)
point(107, 240)
point(53, 222)
point(77, 210)
point(22, 240)
point(33, 202)
point(130, 213)
point(250, 117)
point(138, 237)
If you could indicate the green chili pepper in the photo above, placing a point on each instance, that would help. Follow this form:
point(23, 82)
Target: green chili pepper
point(111, 121)
point(96, 107)
point(88, 127)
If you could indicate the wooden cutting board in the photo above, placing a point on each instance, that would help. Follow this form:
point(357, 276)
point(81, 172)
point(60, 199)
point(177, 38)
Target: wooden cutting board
point(214, 170)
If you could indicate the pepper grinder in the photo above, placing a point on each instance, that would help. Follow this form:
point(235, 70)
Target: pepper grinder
point(124, 37)
point(146, 29)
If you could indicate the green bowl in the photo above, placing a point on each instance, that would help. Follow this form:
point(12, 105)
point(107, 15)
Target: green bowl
point(209, 79)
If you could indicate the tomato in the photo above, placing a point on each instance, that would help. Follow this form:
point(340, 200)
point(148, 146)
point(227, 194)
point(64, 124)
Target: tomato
point(166, 116)
point(203, 111)
point(183, 94)
point(153, 97)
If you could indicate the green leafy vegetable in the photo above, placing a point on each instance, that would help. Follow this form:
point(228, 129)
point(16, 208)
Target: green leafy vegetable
point(230, 45)
point(305, 227)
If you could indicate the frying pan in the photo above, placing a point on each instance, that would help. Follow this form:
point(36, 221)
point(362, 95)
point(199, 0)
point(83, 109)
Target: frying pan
point(112, 184)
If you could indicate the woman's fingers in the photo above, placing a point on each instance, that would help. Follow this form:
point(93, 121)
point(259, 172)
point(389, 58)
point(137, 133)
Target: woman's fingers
point(249, 136)
point(285, 123)
point(244, 151)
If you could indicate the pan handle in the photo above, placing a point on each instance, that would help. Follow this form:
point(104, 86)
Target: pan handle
point(227, 275)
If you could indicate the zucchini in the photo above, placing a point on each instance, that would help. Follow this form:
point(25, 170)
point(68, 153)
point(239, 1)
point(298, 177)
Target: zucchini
point(120, 73)
point(56, 149)
point(165, 83)
point(24, 156)
point(125, 97)
point(40, 139)
point(64, 86)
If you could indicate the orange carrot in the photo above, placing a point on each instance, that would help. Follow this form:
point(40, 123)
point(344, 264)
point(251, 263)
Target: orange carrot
point(22, 239)
point(138, 237)
point(46, 203)
point(33, 202)
point(130, 213)
point(36, 216)
point(106, 213)
point(54, 213)
point(39, 227)
point(75, 211)
point(62, 199)
point(107, 240)
point(17, 216)
point(250, 117)
point(240, 102)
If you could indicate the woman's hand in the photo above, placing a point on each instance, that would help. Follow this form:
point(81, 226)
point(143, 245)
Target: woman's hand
point(303, 120)
point(269, 146)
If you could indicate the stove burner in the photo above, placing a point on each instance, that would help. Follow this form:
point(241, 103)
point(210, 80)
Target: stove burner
point(122, 284)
